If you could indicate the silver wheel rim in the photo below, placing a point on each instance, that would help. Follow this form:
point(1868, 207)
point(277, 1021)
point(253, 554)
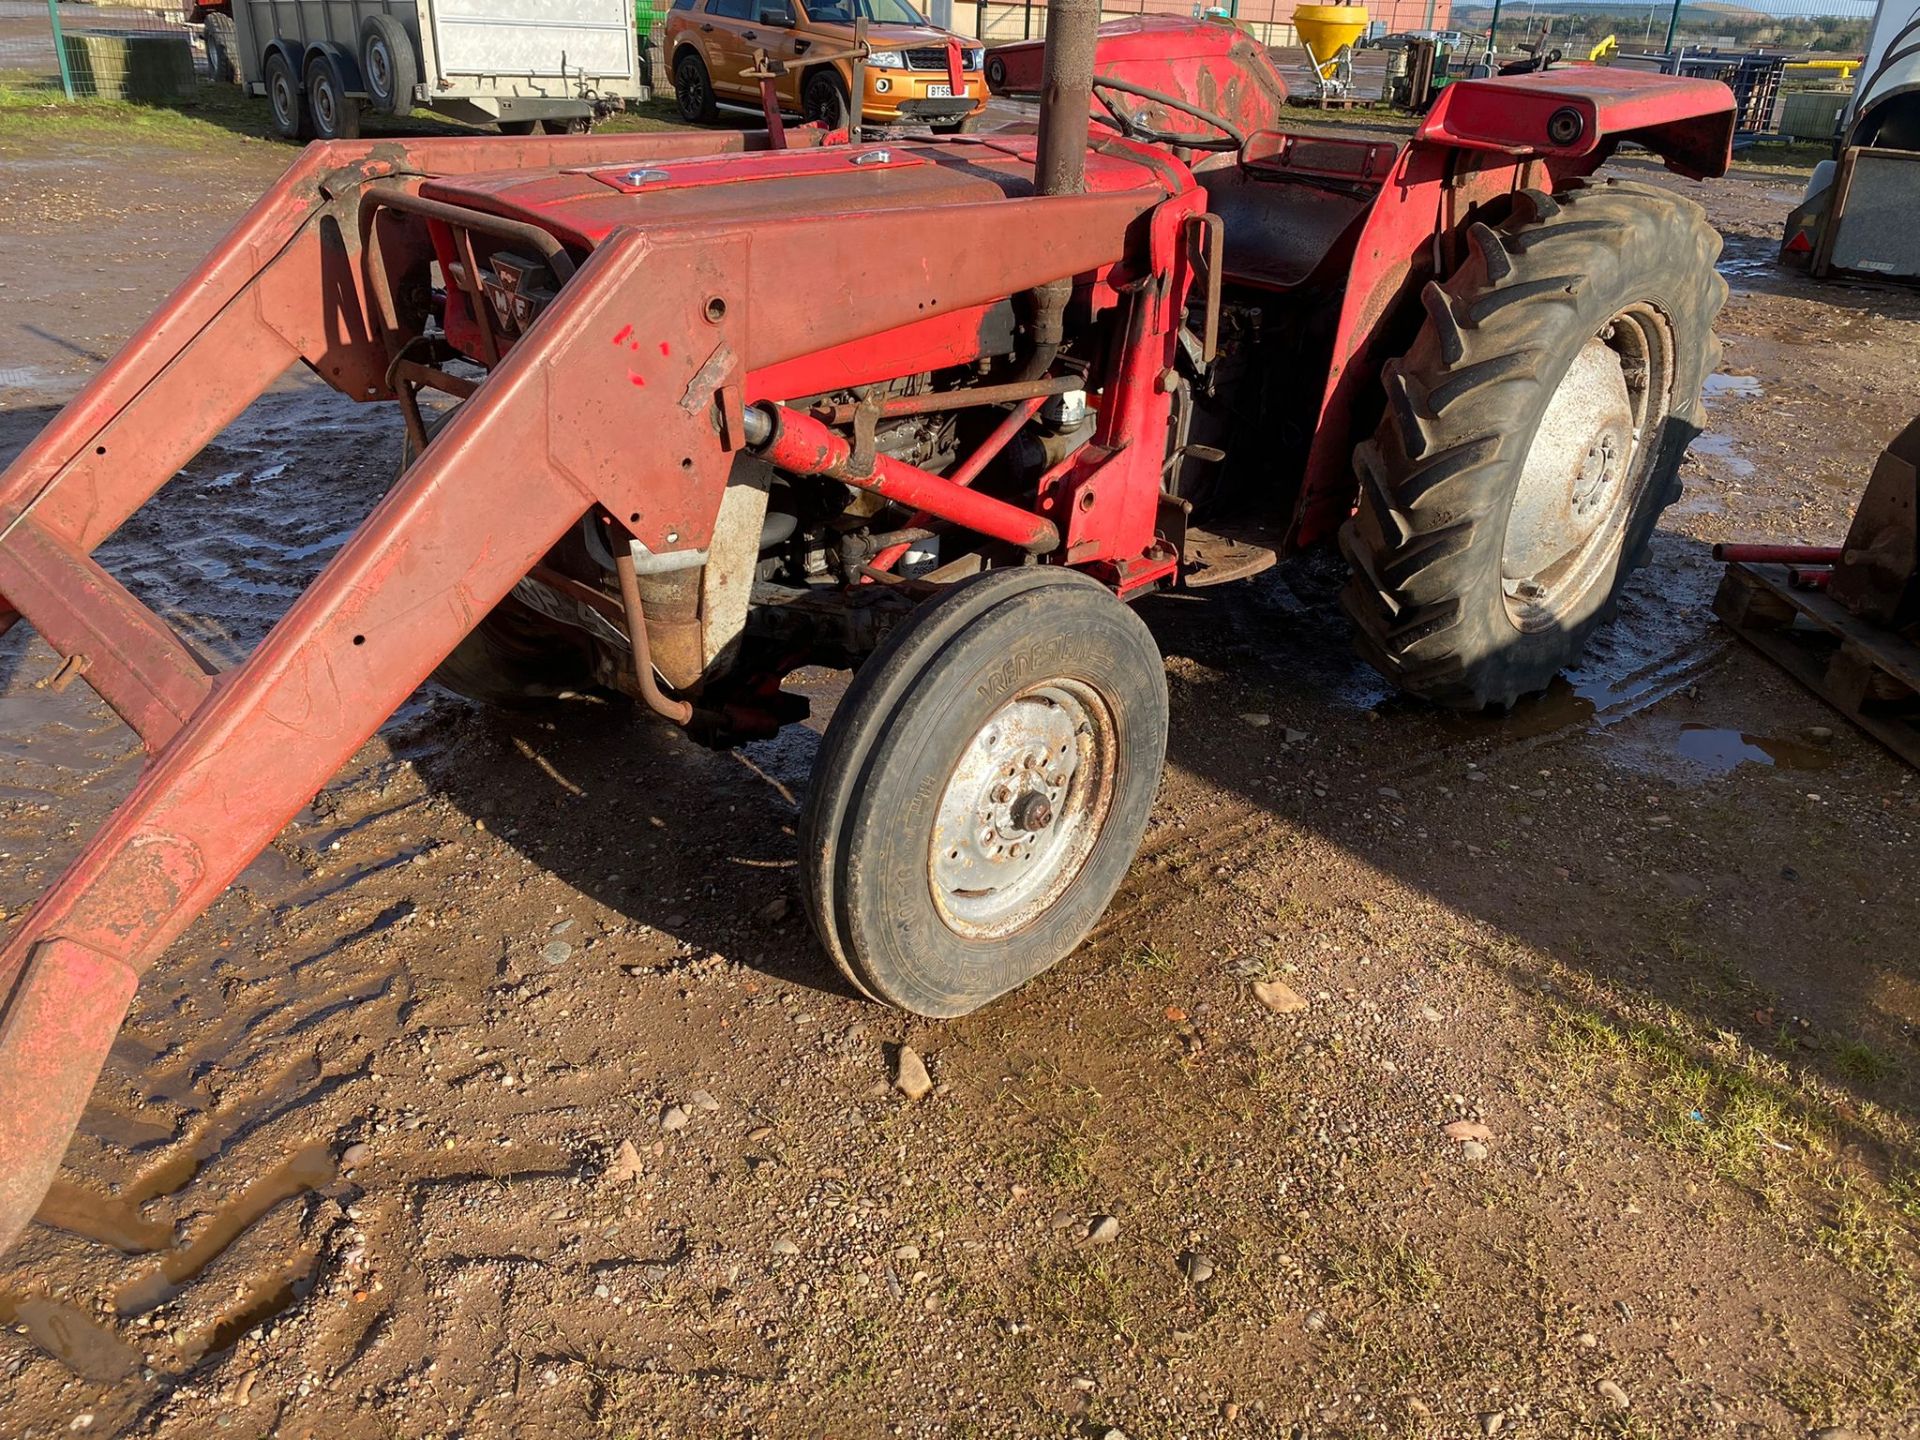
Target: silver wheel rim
point(284, 108)
point(1585, 470)
point(321, 99)
point(379, 71)
point(1023, 809)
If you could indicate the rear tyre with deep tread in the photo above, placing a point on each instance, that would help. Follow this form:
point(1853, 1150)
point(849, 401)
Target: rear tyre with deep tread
point(1603, 296)
point(978, 685)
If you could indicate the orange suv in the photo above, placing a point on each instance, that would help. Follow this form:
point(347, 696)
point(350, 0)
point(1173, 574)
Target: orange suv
point(916, 73)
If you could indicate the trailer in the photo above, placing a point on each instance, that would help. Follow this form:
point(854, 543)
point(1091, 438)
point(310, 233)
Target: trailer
point(528, 66)
point(1856, 218)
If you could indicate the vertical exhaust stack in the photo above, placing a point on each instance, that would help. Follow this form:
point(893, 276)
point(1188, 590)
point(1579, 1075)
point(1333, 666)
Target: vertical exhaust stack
point(1066, 90)
point(1060, 162)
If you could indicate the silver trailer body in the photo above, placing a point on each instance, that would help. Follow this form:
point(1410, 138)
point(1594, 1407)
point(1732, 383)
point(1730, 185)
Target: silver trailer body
point(517, 62)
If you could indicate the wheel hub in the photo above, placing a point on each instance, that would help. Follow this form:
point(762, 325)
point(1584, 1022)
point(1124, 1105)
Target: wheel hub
point(1583, 472)
point(1021, 809)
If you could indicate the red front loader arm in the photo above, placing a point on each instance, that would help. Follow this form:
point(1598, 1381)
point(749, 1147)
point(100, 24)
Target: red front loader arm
point(571, 417)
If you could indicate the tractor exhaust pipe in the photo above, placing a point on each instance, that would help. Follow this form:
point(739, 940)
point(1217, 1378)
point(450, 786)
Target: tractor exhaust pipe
point(1066, 91)
point(1060, 161)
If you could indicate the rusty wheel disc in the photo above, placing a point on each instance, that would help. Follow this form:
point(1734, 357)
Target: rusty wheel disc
point(1022, 809)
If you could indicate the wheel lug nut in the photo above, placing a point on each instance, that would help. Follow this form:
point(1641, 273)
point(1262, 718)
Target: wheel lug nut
point(1033, 811)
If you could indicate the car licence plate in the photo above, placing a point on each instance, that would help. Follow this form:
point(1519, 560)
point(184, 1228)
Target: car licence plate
point(941, 92)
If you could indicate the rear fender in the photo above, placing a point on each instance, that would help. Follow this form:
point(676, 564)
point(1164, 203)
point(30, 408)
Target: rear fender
point(1482, 140)
point(1577, 116)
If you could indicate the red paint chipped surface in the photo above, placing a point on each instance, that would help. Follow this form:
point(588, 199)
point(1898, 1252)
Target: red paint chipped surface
point(621, 338)
point(636, 377)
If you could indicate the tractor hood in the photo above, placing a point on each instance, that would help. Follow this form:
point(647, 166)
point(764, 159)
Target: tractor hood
point(583, 205)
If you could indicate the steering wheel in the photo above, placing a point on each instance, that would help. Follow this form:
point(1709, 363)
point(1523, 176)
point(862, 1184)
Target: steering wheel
point(1229, 138)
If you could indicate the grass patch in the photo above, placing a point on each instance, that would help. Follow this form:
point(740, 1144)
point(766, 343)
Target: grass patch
point(1149, 956)
point(1755, 1119)
point(1778, 155)
point(1858, 1060)
point(1721, 1101)
point(219, 112)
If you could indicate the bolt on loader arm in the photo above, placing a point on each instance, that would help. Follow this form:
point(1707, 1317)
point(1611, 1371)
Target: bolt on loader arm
point(626, 394)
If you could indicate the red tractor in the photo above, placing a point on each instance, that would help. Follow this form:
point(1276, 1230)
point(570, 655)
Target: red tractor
point(688, 411)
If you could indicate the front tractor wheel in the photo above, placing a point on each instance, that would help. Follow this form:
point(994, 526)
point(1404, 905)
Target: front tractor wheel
point(1531, 439)
point(982, 789)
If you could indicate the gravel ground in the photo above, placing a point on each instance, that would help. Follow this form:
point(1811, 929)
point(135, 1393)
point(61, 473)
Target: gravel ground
point(1541, 1076)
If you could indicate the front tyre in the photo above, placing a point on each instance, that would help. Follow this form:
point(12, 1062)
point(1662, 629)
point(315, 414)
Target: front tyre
point(983, 788)
point(1532, 436)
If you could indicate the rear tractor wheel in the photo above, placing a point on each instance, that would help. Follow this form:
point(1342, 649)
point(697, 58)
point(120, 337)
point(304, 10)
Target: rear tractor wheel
point(983, 788)
point(1531, 439)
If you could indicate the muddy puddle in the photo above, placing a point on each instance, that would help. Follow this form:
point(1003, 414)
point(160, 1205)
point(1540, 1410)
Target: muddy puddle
point(1721, 750)
point(72, 1337)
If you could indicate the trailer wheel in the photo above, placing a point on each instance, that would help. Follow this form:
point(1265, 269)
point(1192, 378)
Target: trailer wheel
point(335, 114)
point(286, 99)
point(388, 64)
point(983, 788)
point(824, 99)
point(223, 48)
point(693, 89)
point(1531, 439)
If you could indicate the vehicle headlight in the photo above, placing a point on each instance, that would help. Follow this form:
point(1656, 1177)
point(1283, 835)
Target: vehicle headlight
point(973, 59)
point(887, 59)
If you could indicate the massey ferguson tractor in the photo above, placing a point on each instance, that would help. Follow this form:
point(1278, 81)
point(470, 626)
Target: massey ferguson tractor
point(687, 411)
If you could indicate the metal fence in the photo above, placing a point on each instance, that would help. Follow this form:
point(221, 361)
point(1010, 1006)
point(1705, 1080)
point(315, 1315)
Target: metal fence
point(100, 52)
point(998, 21)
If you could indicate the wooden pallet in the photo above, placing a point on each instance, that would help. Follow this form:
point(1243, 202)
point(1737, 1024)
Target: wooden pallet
point(1870, 675)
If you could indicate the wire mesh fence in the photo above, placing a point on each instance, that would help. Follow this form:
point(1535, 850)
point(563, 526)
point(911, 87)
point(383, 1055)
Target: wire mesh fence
point(147, 53)
point(1790, 66)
